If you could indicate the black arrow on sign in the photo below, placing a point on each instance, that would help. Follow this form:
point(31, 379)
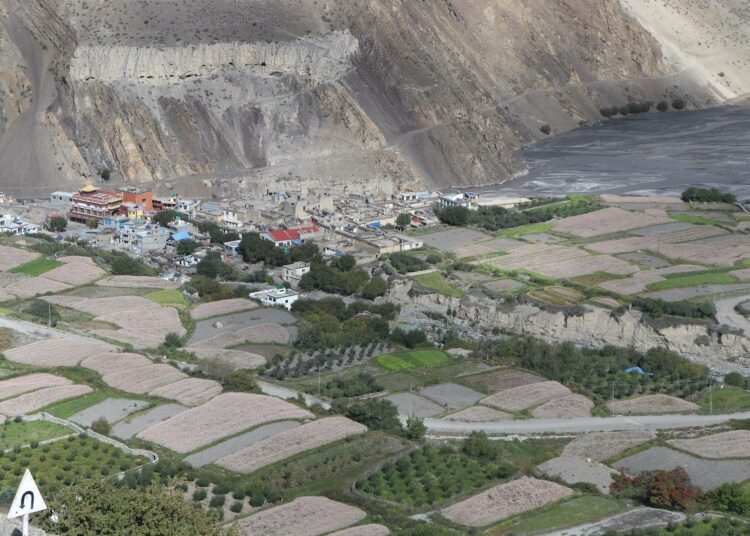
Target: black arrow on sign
point(23, 497)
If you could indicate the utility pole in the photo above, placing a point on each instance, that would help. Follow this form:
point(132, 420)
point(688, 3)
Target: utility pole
point(711, 394)
point(612, 406)
point(49, 314)
point(318, 381)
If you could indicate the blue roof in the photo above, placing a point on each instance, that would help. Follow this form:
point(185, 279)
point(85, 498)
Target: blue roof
point(374, 224)
point(182, 235)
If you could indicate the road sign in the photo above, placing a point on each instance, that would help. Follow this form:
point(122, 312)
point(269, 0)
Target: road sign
point(28, 499)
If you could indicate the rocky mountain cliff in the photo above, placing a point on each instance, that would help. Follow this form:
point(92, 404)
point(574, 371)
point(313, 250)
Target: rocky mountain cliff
point(220, 96)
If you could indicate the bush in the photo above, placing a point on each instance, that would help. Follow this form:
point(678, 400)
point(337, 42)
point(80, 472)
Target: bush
point(58, 224)
point(663, 106)
point(545, 129)
point(217, 501)
point(122, 264)
point(199, 495)
point(43, 311)
point(101, 426)
point(735, 379)
point(236, 507)
point(679, 104)
point(242, 381)
point(202, 482)
point(707, 195)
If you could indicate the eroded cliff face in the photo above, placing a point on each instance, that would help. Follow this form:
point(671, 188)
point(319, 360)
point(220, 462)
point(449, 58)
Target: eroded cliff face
point(597, 327)
point(234, 95)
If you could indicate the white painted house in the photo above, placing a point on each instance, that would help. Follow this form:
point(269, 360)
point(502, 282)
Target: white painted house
point(276, 296)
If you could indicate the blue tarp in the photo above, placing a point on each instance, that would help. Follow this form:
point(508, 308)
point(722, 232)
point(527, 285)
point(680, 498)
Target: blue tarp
point(639, 370)
point(182, 235)
point(374, 224)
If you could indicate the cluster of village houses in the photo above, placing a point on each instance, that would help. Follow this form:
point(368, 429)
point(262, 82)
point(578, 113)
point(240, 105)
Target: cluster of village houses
point(121, 219)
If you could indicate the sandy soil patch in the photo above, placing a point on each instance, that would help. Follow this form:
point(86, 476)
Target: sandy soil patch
point(142, 380)
point(112, 409)
point(451, 395)
point(706, 474)
point(304, 516)
point(230, 446)
point(734, 444)
point(35, 286)
point(31, 402)
point(609, 220)
point(525, 396)
point(236, 359)
point(12, 257)
point(190, 392)
point(651, 405)
point(505, 500)
point(363, 530)
point(478, 414)
point(574, 470)
point(134, 424)
point(31, 382)
point(413, 404)
point(453, 238)
point(75, 271)
point(113, 362)
point(601, 446)
point(741, 275)
point(286, 444)
point(497, 380)
point(56, 352)
point(566, 407)
point(226, 414)
point(223, 307)
point(137, 281)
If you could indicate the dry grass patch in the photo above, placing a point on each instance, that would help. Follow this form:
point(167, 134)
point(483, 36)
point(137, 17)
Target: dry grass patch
point(504, 501)
point(304, 516)
point(734, 444)
point(57, 352)
point(478, 414)
point(290, 442)
point(31, 382)
point(189, 392)
point(652, 405)
point(526, 396)
point(609, 220)
point(363, 530)
point(601, 446)
point(566, 407)
point(13, 257)
point(75, 271)
point(497, 380)
point(223, 307)
point(225, 415)
point(142, 380)
point(36, 286)
point(236, 359)
point(112, 362)
point(31, 402)
point(137, 281)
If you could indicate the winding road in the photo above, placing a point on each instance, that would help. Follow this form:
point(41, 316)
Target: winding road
point(726, 314)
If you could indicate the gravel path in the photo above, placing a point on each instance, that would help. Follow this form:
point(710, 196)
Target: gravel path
point(639, 518)
point(112, 409)
point(129, 427)
point(230, 446)
point(725, 314)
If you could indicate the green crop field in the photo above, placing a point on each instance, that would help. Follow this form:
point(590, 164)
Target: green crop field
point(69, 407)
point(167, 297)
point(37, 267)
point(727, 400)
point(14, 434)
point(64, 462)
point(415, 358)
point(701, 220)
point(430, 475)
point(437, 282)
point(531, 228)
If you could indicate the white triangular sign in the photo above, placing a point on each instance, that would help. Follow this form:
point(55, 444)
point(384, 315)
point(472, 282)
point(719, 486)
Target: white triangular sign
point(28, 499)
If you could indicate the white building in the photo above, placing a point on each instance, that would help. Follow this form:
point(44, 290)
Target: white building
point(61, 198)
point(276, 296)
point(292, 273)
point(13, 225)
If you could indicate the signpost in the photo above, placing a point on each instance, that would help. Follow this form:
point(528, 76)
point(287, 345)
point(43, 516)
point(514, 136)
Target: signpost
point(28, 500)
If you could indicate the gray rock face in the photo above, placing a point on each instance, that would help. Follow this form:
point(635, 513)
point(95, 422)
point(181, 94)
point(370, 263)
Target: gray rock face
point(240, 96)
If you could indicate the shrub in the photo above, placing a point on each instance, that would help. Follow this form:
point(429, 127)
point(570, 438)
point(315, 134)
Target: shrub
point(101, 426)
point(679, 104)
point(199, 495)
point(202, 482)
point(236, 507)
point(663, 106)
point(707, 195)
point(545, 129)
point(221, 489)
point(217, 501)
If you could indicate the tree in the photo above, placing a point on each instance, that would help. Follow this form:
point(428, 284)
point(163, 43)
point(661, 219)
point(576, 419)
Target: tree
point(344, 263)
point(375, 413)
point(663, 106)
point(375, 288)
point(415, 429)
point(165, 217)
point(402, 220)
point(456, 216)
point(122, 264)
point(546, 130)
point(99, 507)
point(679, 104)
point(242, 380)
point(105, 174)
point(186, 247)
point(92, 223)
point(213, 266)
point(732, 498)
point(58, 224)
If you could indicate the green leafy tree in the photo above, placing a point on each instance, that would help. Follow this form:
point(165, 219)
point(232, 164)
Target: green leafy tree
point(456, 216)
point(403, 220)
point(186, 247)
point(415, 429)
point(375, 288)
point(58, 224)
point(99, 507)
point(375, 413)
point(165, 217)
point(101, 426)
